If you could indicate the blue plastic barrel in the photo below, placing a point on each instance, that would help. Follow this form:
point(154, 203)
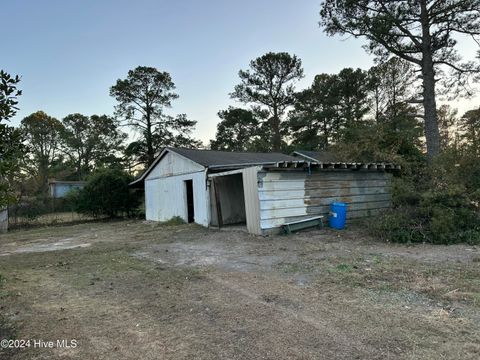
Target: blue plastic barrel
point(338, 215)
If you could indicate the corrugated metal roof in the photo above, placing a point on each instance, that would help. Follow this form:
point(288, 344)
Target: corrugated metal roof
point(213, 158)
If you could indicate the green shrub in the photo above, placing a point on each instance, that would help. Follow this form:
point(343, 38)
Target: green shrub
point(106, 193)
point(440, 208)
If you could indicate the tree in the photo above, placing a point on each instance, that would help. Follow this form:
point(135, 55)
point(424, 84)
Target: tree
point(42, 133)
point(269, 84)
point(8, 95)
point(333, 107)
point(447, 123)
point(469, 126)
point(421, 32)
point(142, 98)
point(315, 120)
point(106, 193)
point(91, 142)
point(172, 131)
point(393, 85)
point(238, 130)
point(392, 139)
point(353, 89)
point(11, 139)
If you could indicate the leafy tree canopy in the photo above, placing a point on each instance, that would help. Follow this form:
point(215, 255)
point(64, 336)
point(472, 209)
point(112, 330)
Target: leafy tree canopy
point(91, 142)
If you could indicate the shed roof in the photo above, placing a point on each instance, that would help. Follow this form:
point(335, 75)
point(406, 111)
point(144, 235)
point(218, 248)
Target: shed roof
point(220, 160)
point(214, 158)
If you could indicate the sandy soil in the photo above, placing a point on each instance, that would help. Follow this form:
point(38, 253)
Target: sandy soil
point(130, 290)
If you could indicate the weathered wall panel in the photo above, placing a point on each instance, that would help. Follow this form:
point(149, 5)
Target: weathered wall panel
point(173, 164)
point(252, 203)
point(166, 197)
point(289, 196)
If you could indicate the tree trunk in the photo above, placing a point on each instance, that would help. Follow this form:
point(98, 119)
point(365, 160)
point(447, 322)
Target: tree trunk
point(150, 152)
point(276, 139)
point(432, 133)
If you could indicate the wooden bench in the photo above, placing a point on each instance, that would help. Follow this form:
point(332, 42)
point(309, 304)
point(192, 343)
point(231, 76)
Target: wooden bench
point(288, 228)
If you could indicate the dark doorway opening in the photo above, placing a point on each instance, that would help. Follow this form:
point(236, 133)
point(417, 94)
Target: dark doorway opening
point(227, 201)
point(190, 205)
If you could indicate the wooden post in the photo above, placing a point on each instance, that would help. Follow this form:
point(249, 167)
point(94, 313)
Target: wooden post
point(217, 202)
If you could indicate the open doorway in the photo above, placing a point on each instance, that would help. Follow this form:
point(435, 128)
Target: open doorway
point(227, 201)
point(190, 204)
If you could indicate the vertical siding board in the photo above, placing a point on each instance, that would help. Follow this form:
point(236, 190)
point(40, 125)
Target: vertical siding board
point(252, 204)
point(166, 198)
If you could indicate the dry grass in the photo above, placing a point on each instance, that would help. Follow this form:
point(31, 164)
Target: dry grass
point(141, 290)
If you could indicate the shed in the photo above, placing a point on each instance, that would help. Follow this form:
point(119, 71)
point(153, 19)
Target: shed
point(261, 190)
point(60, 188)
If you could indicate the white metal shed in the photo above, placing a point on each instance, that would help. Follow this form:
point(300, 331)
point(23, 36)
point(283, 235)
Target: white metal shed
point(261, 190)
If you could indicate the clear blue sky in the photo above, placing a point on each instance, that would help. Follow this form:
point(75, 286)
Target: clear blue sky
point(69, 52)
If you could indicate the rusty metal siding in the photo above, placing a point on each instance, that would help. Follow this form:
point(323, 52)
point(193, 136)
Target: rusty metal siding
point(289, 196)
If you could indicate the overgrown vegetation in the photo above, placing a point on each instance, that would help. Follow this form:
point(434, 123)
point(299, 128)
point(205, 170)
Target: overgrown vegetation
point(438, 203)
point(106, 194)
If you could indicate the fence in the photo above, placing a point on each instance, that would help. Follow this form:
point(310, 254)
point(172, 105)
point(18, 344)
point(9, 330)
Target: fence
point(50, 211)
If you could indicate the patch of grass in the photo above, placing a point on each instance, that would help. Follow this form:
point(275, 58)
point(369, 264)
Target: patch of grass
point(344, 267)
point(7, 328)
point(174, 221)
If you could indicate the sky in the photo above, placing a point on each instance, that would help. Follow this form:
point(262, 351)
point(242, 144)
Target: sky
point(70, 52)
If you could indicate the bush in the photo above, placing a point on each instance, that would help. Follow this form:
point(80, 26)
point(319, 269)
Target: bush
point(106, 193)
point(440, 208)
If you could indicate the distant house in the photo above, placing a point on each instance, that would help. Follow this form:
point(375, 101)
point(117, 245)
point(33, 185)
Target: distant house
point(261, 190)
point(59, 188)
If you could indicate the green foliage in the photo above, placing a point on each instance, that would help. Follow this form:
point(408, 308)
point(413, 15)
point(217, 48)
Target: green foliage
point(8, 95)
point(420, 32)
point(11, 140)
point(142, 98)
point(11, 153)
point(238, 130)
point(439, 206)
point(105, 194)
point(91, 142)
point(43, 136)
point(469, 126)
point(174, 221)
point(391, 139)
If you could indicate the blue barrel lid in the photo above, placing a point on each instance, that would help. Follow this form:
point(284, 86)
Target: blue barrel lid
point(339, 204)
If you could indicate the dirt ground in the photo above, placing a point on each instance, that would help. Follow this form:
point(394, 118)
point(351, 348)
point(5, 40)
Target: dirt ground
point(137, 290)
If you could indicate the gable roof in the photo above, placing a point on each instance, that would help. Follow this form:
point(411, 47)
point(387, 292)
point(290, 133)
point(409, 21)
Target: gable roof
point(215, 159)
point(219, 160)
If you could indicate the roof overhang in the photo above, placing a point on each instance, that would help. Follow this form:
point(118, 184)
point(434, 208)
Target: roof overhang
point(214, 168)
point(315, 165)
